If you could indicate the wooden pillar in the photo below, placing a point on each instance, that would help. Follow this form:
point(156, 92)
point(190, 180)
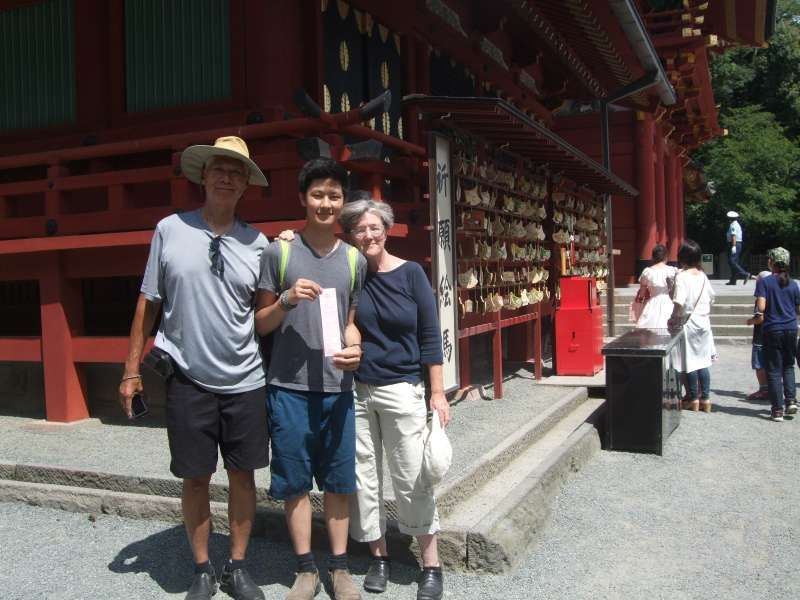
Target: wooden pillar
point(661, 202)
point(62, 318)
point(672, 206)
point(497, 360)
point(373, 183)
point(537, 345)
point(646, 207)
point(464, 371)
point(92, 45)
point(52, 198)
point(680, 203)
point(179, 186)
point(116, 198)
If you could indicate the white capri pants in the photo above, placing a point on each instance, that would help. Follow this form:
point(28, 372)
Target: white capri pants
point(391, 419)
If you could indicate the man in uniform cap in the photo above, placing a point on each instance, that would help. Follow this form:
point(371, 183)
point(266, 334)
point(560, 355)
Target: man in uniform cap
point(203, 271)
point(734, 237)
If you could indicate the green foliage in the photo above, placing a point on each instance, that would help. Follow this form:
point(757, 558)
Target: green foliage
point(755, 171)
point(769, 77)
point(756, 168)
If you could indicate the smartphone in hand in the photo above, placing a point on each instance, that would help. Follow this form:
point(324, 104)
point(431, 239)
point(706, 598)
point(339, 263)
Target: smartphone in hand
point(138, 406)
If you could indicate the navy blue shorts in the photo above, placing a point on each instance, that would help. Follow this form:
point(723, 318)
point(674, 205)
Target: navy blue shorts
point(199, 421)
point(757, 357)
point(313, 434)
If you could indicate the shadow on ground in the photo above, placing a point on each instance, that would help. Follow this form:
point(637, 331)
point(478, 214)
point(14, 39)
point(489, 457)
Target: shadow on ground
point(729, 394)
point(166, 558)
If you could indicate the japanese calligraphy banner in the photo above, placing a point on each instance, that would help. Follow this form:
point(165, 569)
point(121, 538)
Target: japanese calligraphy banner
point(442, 255)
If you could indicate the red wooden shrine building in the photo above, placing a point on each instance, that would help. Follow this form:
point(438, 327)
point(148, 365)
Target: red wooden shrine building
point(101, 96)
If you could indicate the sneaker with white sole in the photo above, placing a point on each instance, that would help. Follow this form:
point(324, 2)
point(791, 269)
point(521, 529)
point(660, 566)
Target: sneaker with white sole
point(791, 408)
point(776, 415)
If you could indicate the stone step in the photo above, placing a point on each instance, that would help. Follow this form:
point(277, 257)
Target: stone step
point(489, 512)
point(621, 310)
point(720, 331)
point(737, 300)
point(740, 311)
point(716, 319)
point(494, 460)
point(506, 514)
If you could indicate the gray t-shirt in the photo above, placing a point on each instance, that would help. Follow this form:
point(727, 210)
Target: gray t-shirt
point(298, 361)
point(208, 324)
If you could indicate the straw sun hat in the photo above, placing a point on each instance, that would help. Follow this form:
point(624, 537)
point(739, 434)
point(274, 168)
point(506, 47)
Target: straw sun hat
point(194, 158)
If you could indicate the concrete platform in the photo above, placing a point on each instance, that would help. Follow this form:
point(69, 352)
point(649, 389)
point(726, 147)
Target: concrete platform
point(119, 468)
point(594, 381)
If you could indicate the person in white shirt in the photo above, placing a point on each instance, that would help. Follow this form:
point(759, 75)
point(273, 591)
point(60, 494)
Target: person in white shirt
point(655, 284)
point(734, 237)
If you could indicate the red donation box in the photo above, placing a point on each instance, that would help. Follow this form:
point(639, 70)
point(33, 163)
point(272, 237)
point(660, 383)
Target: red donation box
point(579, 328)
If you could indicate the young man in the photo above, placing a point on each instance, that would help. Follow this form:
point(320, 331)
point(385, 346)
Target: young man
point(309, 394)
point(203, 270)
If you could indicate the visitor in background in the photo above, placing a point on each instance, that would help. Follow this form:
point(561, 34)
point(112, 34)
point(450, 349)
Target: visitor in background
point(779, 299)
point(757, 354)
point(692, 300)
point(655, 286)
point(735, 241)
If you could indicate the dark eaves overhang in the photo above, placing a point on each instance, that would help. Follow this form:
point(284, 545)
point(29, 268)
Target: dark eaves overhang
point(639, 38)
point(505, 126)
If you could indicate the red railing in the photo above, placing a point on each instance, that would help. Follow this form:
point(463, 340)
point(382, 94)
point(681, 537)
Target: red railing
point(75, 224)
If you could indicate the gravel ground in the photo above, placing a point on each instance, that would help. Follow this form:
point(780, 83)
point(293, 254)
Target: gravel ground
point(716, 517)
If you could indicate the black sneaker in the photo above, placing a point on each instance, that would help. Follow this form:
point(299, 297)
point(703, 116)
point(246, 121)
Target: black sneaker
point(791, 407)
point(776, 415)
point(431, 584)
point(377, 575)
point(204, 585)
point(239, 585)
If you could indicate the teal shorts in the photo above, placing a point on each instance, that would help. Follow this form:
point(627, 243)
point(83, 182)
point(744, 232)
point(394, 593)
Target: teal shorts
point(313, 435)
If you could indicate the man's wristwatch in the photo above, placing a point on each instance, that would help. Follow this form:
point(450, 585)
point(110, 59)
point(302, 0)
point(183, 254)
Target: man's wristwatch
point(284, 301)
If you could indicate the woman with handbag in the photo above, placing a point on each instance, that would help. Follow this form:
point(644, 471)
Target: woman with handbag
point(652, 307)
point(692, 300)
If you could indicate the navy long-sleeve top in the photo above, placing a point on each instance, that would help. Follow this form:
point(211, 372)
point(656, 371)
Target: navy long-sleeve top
point(399, 326)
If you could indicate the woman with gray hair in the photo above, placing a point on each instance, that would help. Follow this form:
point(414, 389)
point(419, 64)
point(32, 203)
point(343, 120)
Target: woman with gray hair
point(400, 337)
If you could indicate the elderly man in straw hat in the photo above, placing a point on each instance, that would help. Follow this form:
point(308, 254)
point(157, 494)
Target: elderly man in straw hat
point(203, 271)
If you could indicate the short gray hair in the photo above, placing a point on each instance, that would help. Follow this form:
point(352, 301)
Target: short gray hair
point(353, 211)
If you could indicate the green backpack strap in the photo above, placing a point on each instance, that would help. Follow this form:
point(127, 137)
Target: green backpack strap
point(352, 259)
point(284, 261)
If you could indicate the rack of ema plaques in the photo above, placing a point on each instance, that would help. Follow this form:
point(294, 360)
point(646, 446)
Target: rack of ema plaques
point(502, 256)
point(579, 328)
point(519, 231)
point(642, 389)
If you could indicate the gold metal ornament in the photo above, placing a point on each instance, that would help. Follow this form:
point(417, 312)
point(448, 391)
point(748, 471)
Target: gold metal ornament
point(344, 56)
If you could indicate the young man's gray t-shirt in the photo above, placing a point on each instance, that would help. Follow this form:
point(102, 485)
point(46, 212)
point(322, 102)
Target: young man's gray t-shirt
point(208, 324)
point(298, 361)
